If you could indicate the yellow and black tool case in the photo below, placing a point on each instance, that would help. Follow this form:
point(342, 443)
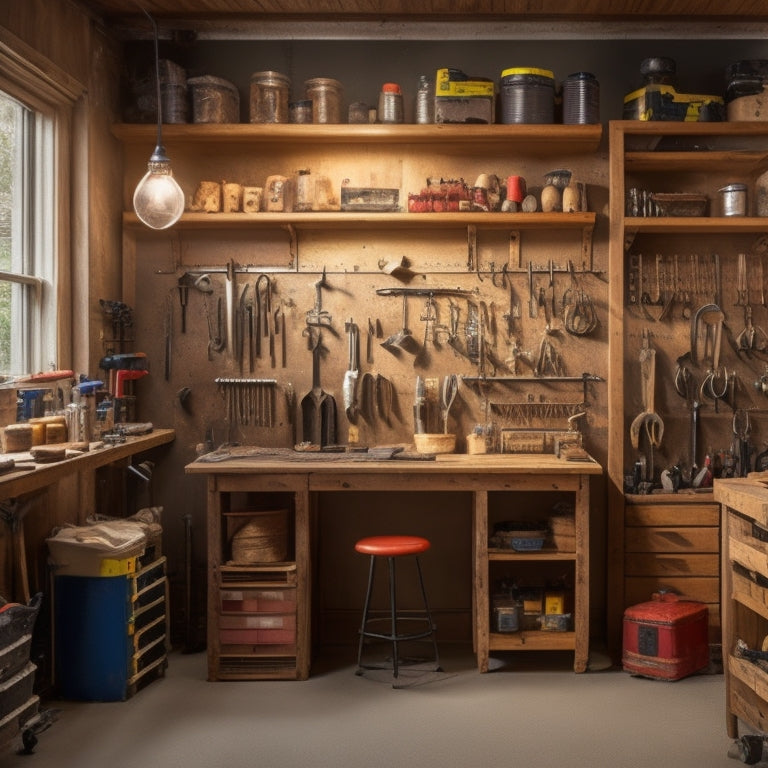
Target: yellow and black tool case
point(659, 101)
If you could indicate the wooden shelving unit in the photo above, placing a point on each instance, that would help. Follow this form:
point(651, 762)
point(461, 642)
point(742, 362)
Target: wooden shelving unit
point(258, 613)
point(482, 254)
point(692, 158)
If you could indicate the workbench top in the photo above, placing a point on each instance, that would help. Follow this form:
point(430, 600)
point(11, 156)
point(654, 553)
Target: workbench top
point(748, 495)
point(27, 480)
point(245, 460)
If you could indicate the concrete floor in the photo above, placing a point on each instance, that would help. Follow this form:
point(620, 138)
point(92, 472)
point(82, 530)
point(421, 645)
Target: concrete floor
point(530, 710)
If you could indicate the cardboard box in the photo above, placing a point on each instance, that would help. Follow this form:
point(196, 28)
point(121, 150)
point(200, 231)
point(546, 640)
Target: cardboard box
point(462, 99)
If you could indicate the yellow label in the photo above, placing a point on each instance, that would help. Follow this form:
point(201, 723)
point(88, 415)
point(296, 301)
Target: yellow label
point(113, 567)
point(444, 86)
point(554, 603)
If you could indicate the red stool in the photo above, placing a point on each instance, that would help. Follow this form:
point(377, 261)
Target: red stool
point(393, 547)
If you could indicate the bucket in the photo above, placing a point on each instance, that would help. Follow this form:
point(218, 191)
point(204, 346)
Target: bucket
point(581, 99)
point(527, 96)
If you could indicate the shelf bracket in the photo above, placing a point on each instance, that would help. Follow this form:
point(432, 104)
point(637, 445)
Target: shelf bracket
point(586, 247)
point(293, 247)
point(514, 249)
point(472, 260)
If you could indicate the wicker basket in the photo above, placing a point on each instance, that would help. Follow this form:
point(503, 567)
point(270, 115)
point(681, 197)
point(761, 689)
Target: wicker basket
point(262, 539)
point(435, 442)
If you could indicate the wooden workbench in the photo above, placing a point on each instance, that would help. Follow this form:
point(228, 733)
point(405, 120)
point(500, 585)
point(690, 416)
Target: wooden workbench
point(66, 491)
point(744, 601)
point(20, 482)
point(262, 480)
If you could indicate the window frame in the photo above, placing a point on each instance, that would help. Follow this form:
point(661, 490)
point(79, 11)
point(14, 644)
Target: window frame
point(53, 98)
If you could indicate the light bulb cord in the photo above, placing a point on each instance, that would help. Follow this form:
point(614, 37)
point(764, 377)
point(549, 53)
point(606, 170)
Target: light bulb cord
point(159, 152)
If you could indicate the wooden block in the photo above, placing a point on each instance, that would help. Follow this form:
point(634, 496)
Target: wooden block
point(207, 197)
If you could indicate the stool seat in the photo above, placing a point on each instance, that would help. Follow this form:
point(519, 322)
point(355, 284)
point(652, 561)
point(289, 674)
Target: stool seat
point(392, 546)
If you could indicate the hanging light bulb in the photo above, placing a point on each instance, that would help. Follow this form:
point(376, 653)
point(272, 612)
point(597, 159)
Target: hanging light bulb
point(158, 199)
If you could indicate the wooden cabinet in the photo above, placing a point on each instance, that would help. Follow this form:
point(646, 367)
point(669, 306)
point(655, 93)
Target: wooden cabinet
point(258, 612)
point(672, 544)
point(564, 558)
point(745, 599)
point(677, 288)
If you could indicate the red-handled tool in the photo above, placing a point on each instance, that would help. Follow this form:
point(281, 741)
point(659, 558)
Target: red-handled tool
point(127, 361)
point(124, 375)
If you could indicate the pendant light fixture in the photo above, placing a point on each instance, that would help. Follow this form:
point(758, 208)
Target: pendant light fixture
point(158, 199)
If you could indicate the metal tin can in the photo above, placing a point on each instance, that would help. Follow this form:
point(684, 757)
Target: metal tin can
point(214, 100)
point(390, 104)
point(527, 95)
point(325, 94)
point(300, 111)
point(269, 97)
point(581, 99)
point(733, 199)
point(358, 112)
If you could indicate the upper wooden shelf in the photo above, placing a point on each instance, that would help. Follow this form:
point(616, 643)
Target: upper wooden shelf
point(549, 139)
point(696, 225)
point(672, 146)
point(704, 161)
point(348, 220)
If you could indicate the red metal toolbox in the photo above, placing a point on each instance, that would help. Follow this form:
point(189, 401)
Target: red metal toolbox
point(666, 638)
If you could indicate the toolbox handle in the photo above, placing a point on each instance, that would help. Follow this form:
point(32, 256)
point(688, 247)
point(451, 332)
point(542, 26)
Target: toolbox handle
point(666, 596)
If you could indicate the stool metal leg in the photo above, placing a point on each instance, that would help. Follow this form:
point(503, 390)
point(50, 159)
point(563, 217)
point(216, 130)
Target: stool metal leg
point(429, 616)
point(368, 594)
point(393, 612)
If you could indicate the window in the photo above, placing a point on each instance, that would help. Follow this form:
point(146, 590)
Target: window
point(27, 252)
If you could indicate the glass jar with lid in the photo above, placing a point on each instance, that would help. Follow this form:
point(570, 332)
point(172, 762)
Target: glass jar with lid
point(326, 94)
point(269, 97)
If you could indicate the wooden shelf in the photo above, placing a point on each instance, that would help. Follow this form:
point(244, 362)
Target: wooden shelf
point(739, 162)
point(533, 139)
point(535, 640)
point(344, 220)
point(507, 555)
point(696, 225)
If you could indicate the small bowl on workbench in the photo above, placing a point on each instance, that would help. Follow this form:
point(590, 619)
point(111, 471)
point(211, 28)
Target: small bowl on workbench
point(679, 203)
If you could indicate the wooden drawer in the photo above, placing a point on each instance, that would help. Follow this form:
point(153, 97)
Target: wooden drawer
point(744, 546)
point(259, 600)
point(259, 621)
point(748, 692)
point(748, 591)
point(654, 564)
point(674, 515)
point(672, 539)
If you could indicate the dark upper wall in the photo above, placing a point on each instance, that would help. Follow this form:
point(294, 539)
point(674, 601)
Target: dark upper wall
point(362, 66)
